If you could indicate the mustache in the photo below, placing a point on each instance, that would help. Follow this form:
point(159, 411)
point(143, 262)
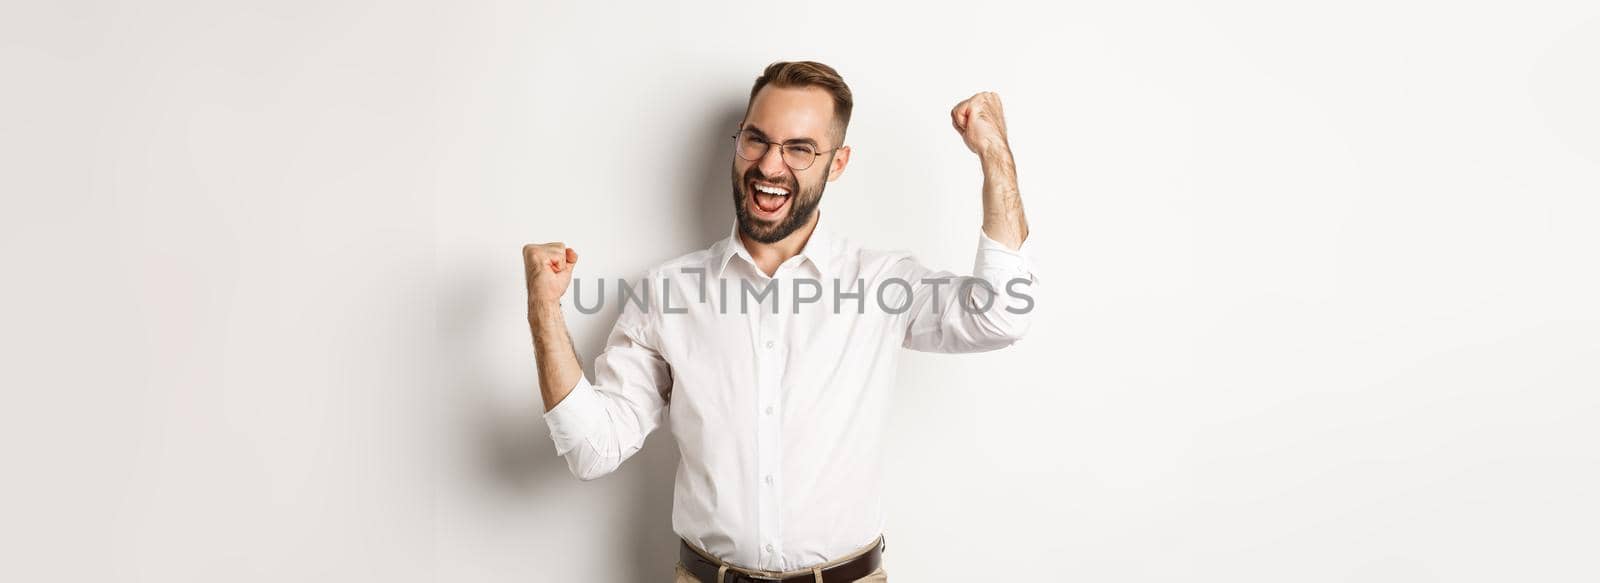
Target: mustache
point(754, 173)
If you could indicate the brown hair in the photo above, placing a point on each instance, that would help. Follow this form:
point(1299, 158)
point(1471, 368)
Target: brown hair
point(808, 74)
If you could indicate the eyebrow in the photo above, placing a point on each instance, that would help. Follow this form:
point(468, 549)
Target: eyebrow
point(758, 132)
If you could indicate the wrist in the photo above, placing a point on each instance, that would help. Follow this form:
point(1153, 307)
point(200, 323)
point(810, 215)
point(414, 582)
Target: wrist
point(995, 153)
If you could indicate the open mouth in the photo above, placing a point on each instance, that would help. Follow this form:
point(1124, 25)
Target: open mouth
point(767, 201)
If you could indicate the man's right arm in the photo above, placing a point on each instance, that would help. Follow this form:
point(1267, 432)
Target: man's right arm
point(595, 427)
point(548, 269)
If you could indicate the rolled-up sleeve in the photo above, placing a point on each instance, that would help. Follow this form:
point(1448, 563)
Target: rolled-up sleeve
point(599, 425)
point(991, 309)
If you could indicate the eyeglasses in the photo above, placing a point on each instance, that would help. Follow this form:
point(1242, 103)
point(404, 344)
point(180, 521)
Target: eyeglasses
point(797, 156)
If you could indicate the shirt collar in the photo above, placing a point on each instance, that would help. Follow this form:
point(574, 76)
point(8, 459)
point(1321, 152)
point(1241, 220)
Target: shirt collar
point(818, 248)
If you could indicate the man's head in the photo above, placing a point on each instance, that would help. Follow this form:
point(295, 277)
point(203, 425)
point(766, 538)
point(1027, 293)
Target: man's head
point(789, 144)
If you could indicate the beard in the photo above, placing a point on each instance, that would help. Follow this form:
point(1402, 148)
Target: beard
point(801, 204)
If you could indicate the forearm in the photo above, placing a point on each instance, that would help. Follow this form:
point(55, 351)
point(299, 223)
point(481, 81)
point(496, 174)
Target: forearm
point(559, 369)
point(1003, 219)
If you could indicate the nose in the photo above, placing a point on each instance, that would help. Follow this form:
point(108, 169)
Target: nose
point(772, 164)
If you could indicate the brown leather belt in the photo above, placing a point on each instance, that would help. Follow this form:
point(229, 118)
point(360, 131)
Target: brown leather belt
point(705, 569)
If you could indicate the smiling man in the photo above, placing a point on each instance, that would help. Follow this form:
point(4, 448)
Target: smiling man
point(779, 411)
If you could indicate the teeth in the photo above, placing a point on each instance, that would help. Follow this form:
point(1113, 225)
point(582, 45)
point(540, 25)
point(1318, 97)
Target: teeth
point(771, 190)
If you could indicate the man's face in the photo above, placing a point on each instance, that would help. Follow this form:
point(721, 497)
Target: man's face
point(785, 115)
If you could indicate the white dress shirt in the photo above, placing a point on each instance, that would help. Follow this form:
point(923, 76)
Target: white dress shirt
point(779, 418)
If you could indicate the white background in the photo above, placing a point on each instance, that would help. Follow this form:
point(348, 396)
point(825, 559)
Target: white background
point(1318, 293)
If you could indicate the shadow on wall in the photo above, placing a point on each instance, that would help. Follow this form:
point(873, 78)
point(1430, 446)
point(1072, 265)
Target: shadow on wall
point(514, 445)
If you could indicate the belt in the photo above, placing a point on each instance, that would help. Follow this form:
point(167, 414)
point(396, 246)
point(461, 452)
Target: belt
point(705, 569)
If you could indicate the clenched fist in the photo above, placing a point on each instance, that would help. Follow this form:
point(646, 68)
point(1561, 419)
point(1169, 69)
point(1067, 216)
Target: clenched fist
point(981, 123)
point(549, 271)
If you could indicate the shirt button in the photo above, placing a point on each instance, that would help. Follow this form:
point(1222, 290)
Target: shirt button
point(769, 409)
point(769, 548)
point(769, 479)
point(769, 344)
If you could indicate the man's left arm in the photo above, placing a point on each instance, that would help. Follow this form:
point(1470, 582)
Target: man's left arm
point(982, 124)
point(991, 309)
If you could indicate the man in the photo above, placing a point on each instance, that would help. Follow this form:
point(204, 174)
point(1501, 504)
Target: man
point(779, 411)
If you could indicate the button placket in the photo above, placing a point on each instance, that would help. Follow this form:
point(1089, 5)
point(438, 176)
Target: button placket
point(769, 435)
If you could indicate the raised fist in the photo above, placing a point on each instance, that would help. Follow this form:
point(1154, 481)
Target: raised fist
point(981, 123)
point(549, 271)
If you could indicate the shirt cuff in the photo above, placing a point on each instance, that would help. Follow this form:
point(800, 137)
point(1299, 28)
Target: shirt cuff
point(572, 420)
point(995, 261)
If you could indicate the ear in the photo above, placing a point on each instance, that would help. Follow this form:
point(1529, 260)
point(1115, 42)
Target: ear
point(841, 158)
